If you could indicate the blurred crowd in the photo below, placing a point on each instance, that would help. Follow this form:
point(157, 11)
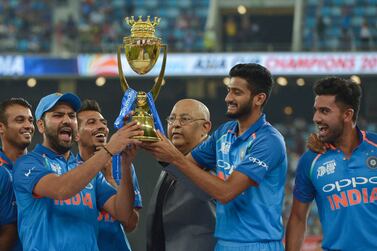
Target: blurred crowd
point(25, 26)
point(30, 26)
point(336, 25)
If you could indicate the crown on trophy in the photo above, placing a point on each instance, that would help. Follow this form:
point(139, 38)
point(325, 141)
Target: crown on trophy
point(142, 28)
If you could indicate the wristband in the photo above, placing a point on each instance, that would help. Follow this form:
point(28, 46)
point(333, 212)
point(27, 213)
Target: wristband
point(107, 150)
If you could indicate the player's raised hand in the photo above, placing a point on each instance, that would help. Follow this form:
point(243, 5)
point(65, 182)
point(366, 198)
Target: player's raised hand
point(124, 137)
point(129, 154)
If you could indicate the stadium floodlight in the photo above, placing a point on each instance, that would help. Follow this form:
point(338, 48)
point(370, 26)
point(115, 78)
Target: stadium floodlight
point(100, 81)
point(282, 81)
point(300, 82)
point(288, 110)
point(241, 9)
point(31, 82)
point(226, 80)
point(356, 79)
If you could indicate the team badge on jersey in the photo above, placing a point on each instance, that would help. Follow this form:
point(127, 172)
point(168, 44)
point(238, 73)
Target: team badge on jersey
point(372, 162)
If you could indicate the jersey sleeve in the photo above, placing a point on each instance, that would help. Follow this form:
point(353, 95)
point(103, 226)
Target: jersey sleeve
point(8, 209)
point(303, 189)
point(205, 153)
point(138, 201)
point(103, 190)
point(28, 170)
point(265, 153)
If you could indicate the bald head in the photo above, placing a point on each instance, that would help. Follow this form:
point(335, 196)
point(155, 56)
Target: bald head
point(186, 135)
point(197, 107)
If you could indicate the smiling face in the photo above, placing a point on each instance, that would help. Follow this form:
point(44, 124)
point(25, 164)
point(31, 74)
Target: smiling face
point(93, 130)
point(18, 131)
point(59, 127)
point(329, 118)
point(239, 99)
point(195, 129)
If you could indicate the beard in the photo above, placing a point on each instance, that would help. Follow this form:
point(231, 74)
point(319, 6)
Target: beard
point(333, 134)
point(243, 111)
point(58, 146)
point(18, 144)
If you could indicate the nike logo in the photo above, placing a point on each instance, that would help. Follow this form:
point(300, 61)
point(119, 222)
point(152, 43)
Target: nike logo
point(29, 172)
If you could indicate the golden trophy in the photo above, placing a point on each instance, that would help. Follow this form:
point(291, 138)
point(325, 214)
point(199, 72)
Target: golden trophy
point(142, 50)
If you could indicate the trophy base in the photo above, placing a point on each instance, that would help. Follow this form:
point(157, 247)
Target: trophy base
point(147, 139)
point(146, 123)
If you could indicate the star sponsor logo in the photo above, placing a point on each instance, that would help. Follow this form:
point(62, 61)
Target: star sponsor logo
point(372, 162)
point(326, 169)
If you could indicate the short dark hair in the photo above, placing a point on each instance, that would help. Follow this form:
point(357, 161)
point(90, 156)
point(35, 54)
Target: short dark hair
point(10, 102)
point(346, 92)
point(88, 105)
point(258, 77)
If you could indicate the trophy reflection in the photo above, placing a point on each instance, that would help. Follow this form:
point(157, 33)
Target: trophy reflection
point(142, 50)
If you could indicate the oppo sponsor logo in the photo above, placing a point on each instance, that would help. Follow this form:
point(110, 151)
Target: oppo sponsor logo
point(343, 184)
point(258, 162)
point(225, 165)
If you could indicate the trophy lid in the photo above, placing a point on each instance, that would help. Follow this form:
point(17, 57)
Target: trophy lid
point(142, 28)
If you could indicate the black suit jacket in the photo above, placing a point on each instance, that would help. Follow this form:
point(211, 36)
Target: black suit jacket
point(188, 215)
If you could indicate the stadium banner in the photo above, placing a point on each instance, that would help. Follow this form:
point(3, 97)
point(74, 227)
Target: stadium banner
point(219, 64)
point(46, 66)
point(12, 65)
point(42, 66)
point(193, 64)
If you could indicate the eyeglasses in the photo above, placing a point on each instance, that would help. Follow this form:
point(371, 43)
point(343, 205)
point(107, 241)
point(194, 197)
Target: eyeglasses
point(185, 120)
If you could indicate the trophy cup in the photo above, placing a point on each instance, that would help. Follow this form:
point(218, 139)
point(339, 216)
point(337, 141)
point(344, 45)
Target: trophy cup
point(142, 50)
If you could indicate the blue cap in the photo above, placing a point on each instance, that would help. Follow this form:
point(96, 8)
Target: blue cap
point(49, 101)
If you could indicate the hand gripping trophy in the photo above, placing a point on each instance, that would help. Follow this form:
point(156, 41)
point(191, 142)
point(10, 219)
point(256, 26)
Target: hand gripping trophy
point(142, 50)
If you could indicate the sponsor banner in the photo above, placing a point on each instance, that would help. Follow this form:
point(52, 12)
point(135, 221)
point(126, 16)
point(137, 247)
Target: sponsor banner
point(11, 65)
point(194, 64)
point(45, 66)
point(219, 64)
point(37, 66)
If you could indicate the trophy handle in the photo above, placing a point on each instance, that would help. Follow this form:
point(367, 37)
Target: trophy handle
point(157, 86)
point(123, 81)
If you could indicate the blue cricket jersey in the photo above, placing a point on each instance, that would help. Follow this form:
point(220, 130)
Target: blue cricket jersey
point(111, 235)
point(47, 224)
point(259, 153)
point(8, 208)
point(345, 191)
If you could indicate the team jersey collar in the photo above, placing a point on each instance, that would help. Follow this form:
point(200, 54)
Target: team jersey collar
point(252, 129)
point(5, 160)
point(42, 150)
point(79, 158)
